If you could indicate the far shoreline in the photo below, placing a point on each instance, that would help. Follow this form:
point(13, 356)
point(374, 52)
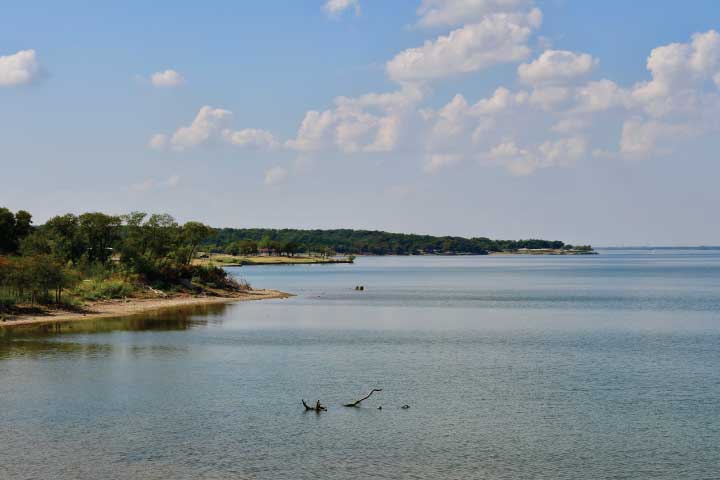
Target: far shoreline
point(133, 306)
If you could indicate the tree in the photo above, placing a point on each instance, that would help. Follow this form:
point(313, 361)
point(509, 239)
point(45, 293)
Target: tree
point(33, 278)
point(193, 234)
point(161, 235)
point(37, 243)
point(63, 232)
point(23, 225)
point(99, 233)
point(8, 242)
point(248, 247)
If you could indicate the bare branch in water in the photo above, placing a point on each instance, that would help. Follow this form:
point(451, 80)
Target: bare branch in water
point(357, 402)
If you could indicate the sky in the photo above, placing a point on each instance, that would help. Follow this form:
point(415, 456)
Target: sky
point(589, 122)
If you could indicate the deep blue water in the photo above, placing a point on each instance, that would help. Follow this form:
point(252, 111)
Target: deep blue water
point(598, 367)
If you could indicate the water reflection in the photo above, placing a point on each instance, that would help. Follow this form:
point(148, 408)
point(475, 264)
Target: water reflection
point(50, 339)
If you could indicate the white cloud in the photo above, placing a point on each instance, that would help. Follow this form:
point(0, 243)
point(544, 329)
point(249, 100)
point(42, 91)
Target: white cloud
point(549, 98)
point(275, 175)
point(210, 125)
point(20, 68)
point(676, 69)
point(369, 123)
point(250, 138)
point(313, 131)
point(206, 123)
point(556, 66)
point(558, 153)
point(498, 38)
point(501, 100)
point(554, 120)
point(335, 8)
point(643, 138)
point(435, 13)
point(439, 161)
point(168, 78)
point(601, 95)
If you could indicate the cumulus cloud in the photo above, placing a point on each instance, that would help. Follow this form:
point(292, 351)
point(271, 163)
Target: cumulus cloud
point(335, 8)
point(601, 95)
point(21, 68)
point(210, 125)
point(679, 73)
point(168, 78)
point(207, 122)
point(495, 39)
point(250, 138)
point(642, 138)
point(550, 97)
point(552, 153)
point(369, 123)
point(275, 175)
point(556, 66)
point(553, 117)
point(436, 13)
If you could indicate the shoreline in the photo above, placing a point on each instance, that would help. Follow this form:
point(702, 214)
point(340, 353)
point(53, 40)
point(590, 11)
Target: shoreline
point(223, 260)
point(135, 306)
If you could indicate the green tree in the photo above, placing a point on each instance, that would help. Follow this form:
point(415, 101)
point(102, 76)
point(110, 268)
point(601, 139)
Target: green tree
point(23, 225)
point(99, 233)
point(192, 235)
point(36, 243)
point(8, 242)
point(63, 232)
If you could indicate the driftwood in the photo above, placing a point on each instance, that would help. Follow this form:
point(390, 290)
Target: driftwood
point(357, 402)
point(319, 407)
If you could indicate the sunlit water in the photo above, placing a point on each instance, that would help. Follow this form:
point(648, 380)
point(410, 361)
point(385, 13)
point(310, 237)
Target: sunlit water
point(603, 367)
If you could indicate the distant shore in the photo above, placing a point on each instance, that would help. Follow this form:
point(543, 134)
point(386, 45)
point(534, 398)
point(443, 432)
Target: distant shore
point(546, 251)
point(223, 260)
point(132, 306)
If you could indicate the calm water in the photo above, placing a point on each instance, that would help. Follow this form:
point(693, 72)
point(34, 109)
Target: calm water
point(604, 367)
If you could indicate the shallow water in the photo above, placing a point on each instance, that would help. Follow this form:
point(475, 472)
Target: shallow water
point(514, 368)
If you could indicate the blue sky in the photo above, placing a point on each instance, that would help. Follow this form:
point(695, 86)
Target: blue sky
point(500, 118)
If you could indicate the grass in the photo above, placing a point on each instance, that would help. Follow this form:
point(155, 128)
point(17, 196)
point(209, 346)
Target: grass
point(104, 289)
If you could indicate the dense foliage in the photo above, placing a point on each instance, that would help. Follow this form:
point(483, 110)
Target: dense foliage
point(364, 242)
point(99, 256)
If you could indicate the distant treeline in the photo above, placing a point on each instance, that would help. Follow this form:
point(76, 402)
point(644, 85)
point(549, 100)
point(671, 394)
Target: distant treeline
point(364, 242)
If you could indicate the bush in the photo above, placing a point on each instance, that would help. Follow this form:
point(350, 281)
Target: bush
point(104, 289)
point(6, 301)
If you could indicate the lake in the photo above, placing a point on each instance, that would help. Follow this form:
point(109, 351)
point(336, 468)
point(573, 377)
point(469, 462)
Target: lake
point(514, 367)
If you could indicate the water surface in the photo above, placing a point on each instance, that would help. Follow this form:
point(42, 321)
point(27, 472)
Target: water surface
point(514, 368)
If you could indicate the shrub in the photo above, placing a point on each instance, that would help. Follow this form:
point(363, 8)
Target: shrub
point(104, 289)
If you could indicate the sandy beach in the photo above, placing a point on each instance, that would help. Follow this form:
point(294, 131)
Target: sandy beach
point(134, 306)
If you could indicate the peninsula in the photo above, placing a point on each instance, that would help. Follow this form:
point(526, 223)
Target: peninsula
point(96, 265)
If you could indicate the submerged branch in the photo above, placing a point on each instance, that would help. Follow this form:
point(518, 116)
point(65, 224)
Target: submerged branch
point(317, 408)
point(357, 402)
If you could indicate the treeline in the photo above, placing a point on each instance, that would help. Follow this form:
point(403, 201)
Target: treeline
point(110, 254)
point(364, 242)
